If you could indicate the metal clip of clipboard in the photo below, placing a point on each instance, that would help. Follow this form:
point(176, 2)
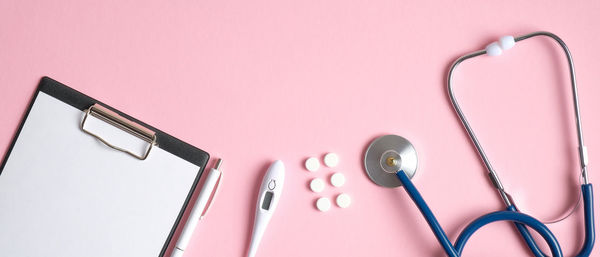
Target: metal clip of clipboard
point(124, 124)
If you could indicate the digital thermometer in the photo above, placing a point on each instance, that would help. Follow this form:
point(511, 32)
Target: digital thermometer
point(268, 197)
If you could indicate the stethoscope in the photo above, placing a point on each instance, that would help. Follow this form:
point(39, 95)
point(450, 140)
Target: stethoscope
point(391, 161)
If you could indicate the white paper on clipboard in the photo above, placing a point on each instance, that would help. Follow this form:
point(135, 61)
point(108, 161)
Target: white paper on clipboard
point(64, 193)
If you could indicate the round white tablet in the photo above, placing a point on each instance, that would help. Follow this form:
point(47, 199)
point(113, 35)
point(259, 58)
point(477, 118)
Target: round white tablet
point(317, 185)
point(338, 179)
point(343, 200)
point(312, 164)
point(323, 204)
point(331, 160)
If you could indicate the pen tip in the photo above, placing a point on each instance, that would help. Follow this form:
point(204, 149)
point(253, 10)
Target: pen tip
point(218, 164)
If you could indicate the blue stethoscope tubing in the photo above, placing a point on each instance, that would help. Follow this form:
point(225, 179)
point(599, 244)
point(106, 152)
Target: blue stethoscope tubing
point(521, 220)
point(587, 192)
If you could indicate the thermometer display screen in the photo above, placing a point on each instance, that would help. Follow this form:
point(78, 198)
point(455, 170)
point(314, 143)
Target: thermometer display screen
point(267, 200)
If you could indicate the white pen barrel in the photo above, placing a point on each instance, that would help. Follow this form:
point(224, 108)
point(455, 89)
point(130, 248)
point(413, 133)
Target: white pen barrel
point(186, 234)
point(197, 210)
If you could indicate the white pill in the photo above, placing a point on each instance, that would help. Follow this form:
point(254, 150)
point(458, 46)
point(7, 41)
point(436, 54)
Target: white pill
point(331, 160)
point(323, 204)
point(493, 49)
point(317, 185)
point(343, 200)
point(312, 164)
point(338, 179)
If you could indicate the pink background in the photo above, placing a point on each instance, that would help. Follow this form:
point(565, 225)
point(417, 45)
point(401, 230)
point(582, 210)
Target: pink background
point(255, 81)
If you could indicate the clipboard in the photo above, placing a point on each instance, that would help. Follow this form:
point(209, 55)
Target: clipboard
point(81, 178)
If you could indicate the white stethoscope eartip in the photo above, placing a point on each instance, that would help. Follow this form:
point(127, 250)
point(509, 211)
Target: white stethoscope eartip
point(506, 42)
point(493, 49)
point(503, 44)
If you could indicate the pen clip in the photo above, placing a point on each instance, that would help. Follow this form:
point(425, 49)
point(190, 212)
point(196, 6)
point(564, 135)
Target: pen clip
point(212, 196)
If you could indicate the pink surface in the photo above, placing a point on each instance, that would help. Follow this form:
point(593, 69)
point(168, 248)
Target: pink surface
point(254, 81)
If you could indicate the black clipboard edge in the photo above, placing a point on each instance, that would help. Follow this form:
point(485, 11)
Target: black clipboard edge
point(165, 141)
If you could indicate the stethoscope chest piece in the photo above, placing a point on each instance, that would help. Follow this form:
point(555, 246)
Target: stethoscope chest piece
point(388, 154)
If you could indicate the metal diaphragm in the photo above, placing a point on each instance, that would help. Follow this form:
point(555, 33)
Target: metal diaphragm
point(388, 154)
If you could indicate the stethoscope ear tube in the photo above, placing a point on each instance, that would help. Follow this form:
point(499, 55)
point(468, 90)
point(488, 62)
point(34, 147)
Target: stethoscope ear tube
point(492, 173)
